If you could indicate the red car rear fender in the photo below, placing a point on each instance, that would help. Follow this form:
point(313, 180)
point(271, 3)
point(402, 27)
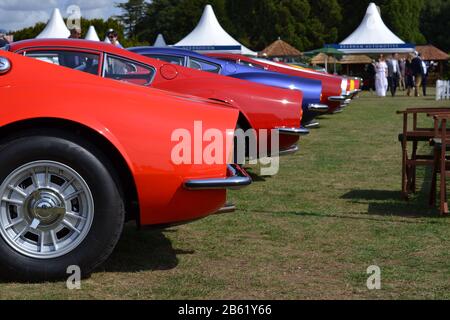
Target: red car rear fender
point(138, 123)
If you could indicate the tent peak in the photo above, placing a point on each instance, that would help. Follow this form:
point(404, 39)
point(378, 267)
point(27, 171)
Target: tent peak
point(92, 34)
point(56, 27)
point(160, 41)
point(209, 36)
point(373, 36)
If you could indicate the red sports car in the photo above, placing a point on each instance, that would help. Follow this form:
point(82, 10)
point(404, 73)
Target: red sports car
point(261, 107)
point(334, 88)
point(80, 154)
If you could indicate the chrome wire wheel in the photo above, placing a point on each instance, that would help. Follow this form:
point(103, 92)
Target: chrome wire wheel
point(46, 209)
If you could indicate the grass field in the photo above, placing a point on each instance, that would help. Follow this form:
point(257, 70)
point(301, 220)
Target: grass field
point(310, 232)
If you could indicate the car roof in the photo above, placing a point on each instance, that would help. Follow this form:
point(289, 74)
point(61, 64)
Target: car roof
point(75, 43)
point(184, 52)
point(167, 50)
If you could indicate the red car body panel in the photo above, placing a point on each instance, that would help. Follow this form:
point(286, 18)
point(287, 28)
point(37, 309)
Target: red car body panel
point(137, 124)
point(262, 106)
point(331, 85)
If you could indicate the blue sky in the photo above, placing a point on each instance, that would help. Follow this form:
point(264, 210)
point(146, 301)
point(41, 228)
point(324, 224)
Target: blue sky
point(18, 14)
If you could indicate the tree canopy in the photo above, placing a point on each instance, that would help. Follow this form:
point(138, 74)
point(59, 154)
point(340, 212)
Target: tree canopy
point(306, 24)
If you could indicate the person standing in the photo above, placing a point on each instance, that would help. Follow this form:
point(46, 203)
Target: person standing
point(75, 33)
point(402, 81)
point(381, 82)
point(424, 77)
point(3, 40)
point(417, 70)
point(371, 75)
point(113, 37)
point(409, 78)
point(393, 73)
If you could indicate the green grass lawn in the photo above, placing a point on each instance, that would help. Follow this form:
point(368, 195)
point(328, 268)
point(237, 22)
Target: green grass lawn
point(310, 232)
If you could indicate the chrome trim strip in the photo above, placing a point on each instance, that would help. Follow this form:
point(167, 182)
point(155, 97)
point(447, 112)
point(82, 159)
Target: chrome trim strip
point(238, 179)
point(293, 131)
point(317, 107)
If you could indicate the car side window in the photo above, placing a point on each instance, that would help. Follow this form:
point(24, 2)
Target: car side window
point(81, 61)
point(128, 71)
point(170, 59)
point(202, 65)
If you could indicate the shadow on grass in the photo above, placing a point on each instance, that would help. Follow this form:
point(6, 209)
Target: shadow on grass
point(144, 250)
point(256, 177)
point(350, 216)
point(390, 203)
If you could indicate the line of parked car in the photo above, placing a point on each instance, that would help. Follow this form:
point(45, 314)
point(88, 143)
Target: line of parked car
point(87, 141)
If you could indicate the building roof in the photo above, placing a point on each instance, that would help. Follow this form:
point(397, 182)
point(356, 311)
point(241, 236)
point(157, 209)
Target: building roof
point(55, 28)
point(355, 59)
point(281, 48)
point(430, 52)
point(209, 36)
point(322, 57)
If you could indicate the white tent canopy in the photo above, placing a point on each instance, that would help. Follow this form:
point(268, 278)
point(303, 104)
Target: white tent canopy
point(160, 41)
point(209, 36)
point(92, 34)
point(373, 36)
point(55, 28)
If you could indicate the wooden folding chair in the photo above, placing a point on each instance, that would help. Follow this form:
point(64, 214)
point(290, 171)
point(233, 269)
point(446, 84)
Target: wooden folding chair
point(415, 135)
point(441, 164)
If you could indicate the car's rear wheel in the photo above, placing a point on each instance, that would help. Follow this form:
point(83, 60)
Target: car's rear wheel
point(59, 206)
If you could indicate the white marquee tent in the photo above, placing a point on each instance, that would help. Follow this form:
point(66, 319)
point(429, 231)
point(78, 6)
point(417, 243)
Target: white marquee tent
point(209, 36)
point(92, 34)
point(160, 41)
point(55, 28)
point(373, 36)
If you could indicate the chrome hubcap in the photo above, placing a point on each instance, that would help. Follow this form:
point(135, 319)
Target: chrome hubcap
point(46, 209)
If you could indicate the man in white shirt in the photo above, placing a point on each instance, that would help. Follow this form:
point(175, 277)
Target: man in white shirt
point(393, 73)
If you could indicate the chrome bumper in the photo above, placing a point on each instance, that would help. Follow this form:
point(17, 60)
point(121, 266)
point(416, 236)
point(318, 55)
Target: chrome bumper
point(317, 107)
point(312, 125)
point(238, 179)
point(289, 151)
point(293, 131)
point(337, 98)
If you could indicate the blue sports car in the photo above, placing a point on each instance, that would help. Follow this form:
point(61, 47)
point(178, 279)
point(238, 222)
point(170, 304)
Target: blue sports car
point(312, 89)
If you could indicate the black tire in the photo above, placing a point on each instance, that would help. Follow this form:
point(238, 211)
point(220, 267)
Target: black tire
point(108, 218)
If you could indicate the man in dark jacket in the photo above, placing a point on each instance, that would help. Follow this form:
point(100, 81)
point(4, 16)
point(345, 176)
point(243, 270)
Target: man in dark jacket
point(417, 69)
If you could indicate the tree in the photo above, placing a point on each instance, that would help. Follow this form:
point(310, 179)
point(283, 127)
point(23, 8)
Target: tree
point(134, 12)
point(325, 18)
point(434, 20)
point(30, 32)
point(403, 17)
